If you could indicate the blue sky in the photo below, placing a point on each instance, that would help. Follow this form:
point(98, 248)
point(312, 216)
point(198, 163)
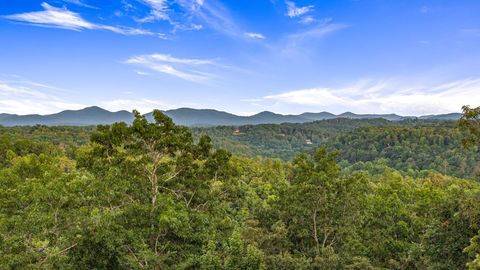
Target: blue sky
point(240, 56)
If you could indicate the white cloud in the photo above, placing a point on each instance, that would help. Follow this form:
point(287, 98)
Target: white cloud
point(142, 73)
point(254, 35)
point(386, 97)
point(159, 11)
point(307, 20)
point(183, 68)
point(187, 15)
point(10, 90)
point(293, 11)
point(214, 15)
point(316, 32)
point(24, 97)
point(170, 59)
point(194, 26)
point(217, 17)
point(304, 37)
point(314, 96)
point(79, 3)
point(178, 13)
point(66, 19)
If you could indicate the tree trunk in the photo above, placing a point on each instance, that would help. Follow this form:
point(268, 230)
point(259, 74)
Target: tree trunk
point(315, 236)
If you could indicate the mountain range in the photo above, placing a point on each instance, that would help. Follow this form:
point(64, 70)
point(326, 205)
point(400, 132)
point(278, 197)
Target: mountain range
point(192, 117)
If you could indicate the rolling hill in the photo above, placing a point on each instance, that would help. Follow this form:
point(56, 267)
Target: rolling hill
point(191, 117)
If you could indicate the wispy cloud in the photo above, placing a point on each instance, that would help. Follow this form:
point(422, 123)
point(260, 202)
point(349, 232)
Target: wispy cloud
point(79, 3)
point(178, 13)
point(183, 68)
point(192, 15)
point(143, 73)
point(307, 20)
point(159, 11)
point(301, 14)
point(304, 37)
point(254, 35)
point(186, 27)
point(66, 19)
point(367, 96)
point(293, 11)
point(24, 97)
point(214, 14)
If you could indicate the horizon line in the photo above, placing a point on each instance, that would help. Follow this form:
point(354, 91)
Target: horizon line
point(239, 115)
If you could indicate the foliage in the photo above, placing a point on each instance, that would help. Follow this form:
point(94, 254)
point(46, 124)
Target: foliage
point(412, 150)
point(470, 122)
point(154, 196)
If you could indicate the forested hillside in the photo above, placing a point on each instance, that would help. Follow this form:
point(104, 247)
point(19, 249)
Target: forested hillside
point(410, 149)
point(411, 146)
point(282, 141)
point(150, 196)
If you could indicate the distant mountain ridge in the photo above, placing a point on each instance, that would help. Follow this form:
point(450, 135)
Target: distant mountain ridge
point(192, 117)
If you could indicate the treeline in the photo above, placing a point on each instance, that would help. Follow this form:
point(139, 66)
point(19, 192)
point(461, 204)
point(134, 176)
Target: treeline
point(414, 147)
point(150, 196)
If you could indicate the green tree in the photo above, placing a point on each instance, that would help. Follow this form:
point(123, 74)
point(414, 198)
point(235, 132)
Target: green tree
point(157, 203)
point(470, 122)
point(322, 208)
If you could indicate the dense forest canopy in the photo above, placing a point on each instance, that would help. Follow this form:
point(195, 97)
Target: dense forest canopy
point(337, 194)
point(413, 147)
